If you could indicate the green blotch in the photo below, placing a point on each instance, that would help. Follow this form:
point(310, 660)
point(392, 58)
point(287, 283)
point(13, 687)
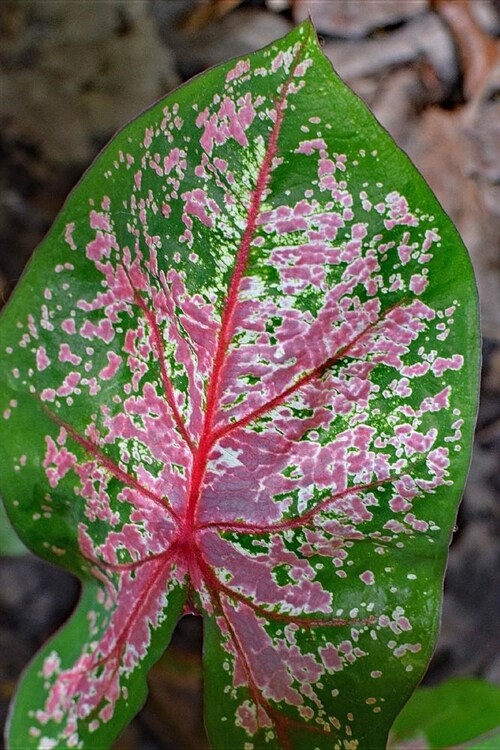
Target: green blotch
point(309, 301)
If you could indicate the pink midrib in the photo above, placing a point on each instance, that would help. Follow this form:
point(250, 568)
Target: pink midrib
point(227, 326)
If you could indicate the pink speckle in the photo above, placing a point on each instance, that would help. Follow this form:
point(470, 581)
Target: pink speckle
point(308, 147)
point(58, 461)
point(330, 657)
point(197, 203)
point(430, 237)
point(111, 368)
point(66, 355)
point(416, 370)
point(176, 158)
point(368, 577)
point(42, 360)
point(68, 326)
point(230, 121)
point(441, 364)
point(48, 394)
point(415, 523)
point(69, 384)
point(99, 221)
point(220, 164)
point(398, 504)
point(51, 664)
point(399, 213)
point(438, 402)
point(418, 283)
point(404, 624)
point(68, 235)
point(103, 331)
point(241, 67)
point(101, 246)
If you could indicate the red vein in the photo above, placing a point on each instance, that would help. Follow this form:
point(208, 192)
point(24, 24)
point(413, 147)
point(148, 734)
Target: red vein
point(167, 384)
point(304, 622)
point(294, 521)
point(281, 722)
point(306, 378)
point(107, 463)
point(226, 329)
point(124, 567)
point(121, 639)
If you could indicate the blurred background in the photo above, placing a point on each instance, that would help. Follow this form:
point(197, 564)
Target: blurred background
point(74, 71)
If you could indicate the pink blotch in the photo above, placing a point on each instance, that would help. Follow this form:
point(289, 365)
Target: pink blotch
point(68, 235)
point(99, 221)
point(66, 355)
point(441, 364)
point(103, 331)
point(242, 67)
point(173, 159)
point(68, 326)
point(398, 504)
point(42, 360)
point(416, 370)
point(368, 577)
point(51, 665)
point(308, 147)
point(430, 238)
point(109, 371)
point(48, 394)
point(418, 283)
point(69, 384)
point(330, 658)
point(100, 247)
point(415, 523)
point(58, 461)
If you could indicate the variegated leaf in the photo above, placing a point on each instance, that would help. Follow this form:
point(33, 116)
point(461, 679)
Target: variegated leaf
point(239, 379)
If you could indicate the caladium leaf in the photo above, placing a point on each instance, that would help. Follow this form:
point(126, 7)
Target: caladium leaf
point(239, 379)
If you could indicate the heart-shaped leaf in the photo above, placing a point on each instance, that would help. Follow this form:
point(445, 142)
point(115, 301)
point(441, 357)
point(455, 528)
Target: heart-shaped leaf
point(239, 379)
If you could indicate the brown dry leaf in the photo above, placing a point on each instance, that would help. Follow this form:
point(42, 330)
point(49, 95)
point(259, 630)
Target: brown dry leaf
point(479, 53)
point(207, 11)
point(236, 34)
point(421, 38)
point(442, 147)
point(354, 20)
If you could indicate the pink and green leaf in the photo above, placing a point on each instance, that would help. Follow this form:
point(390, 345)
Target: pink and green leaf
point(239, 379)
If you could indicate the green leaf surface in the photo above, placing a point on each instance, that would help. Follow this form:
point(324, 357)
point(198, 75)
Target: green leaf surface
point(490, 741)
point(239, 379)
point(460, 712)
